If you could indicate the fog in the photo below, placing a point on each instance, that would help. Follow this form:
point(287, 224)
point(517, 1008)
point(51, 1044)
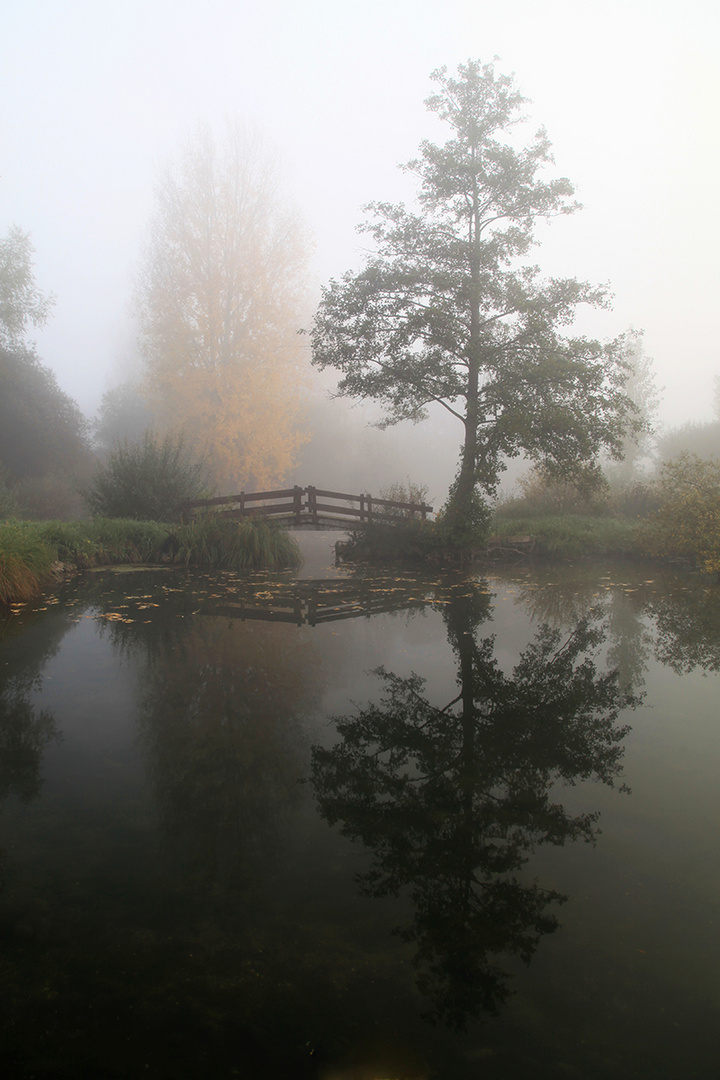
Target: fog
point(95, 97)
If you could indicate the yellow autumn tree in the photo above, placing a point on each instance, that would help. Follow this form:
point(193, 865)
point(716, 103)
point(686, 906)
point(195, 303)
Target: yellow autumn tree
point(221, 297)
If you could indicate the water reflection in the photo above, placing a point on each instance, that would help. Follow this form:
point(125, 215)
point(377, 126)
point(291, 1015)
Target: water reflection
point(197, 916)
point(452, 799)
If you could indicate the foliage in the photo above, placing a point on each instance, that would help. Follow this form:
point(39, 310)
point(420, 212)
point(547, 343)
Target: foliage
point(407, 540)
point(408, 492)
point(149, 480)
point(542, 494)
point(221, 300)
point(21, 302)
point(464, 522)
point(251, 543)
point(642, 390)
point(702, 440)
point(103, 541)
point(42, 431)
point(443, 314)
point(688, 521)
point(123, 416)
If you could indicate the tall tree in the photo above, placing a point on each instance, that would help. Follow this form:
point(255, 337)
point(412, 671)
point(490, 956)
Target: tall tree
point(220, 298)
point(443, 312)
point(642, 389)
point(21, 302)
point(42, 431)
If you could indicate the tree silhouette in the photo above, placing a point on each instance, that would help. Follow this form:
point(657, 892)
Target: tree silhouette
point(453, 799)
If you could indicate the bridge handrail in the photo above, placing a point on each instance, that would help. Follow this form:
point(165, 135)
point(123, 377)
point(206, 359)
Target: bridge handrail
point(306, 508)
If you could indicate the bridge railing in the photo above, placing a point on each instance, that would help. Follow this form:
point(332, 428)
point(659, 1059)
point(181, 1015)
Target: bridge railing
point(308, 506)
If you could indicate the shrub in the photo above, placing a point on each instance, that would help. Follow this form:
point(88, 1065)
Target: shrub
point(147, 480)
point(543, 494)
point(688, 521)
point(408, 492)
point(463, 529)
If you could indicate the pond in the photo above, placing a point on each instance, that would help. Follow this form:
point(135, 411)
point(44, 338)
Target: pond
point(362, 827)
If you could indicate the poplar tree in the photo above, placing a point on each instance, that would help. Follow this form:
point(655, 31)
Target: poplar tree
point(221, 298)
point(447, 310)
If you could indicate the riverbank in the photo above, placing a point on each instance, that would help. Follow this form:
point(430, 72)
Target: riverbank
point(34, 554)
point(547, 537)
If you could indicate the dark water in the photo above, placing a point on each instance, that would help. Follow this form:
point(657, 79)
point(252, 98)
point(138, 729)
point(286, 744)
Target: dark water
point(380, 828)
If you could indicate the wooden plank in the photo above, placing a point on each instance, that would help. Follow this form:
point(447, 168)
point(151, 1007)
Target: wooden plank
point(259, 511)
point(337, 495)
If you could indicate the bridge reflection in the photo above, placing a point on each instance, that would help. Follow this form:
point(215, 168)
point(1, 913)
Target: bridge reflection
point(309, 603)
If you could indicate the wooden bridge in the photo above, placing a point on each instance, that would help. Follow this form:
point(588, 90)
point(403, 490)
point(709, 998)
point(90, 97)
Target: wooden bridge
point(309, 507)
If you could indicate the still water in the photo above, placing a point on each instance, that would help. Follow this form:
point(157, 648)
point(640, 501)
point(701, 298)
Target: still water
point(365, 828)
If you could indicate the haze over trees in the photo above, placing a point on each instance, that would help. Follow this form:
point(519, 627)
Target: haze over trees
point(445, 313)
point(43, 434)
point(221, 299)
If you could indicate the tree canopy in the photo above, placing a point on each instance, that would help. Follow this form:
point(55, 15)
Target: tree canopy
point(445, 312)
point(42, 430)
point(22, 304)
point(220, 299)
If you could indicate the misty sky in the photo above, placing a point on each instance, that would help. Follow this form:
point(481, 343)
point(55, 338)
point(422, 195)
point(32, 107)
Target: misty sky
point(94, 96)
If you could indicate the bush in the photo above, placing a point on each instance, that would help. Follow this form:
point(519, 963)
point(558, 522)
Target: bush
point(408, 492)
point(688, 521)
point(460, 528)
point(543, 494)
point(148, 480)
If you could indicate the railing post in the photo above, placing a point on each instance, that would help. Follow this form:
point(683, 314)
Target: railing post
point(297, 502)
point(241, 500)
point(369, 508)
point(362, 508)
point(312, 504)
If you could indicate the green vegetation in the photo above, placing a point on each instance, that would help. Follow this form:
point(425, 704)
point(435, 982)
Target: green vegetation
point(688, 521)
point(31, 553)
point(250, 544)
point(149, 480)
point(571, 535)
point(444, 313)
point(26, 562)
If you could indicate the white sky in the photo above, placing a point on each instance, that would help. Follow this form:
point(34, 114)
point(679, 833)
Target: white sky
point(94, 95)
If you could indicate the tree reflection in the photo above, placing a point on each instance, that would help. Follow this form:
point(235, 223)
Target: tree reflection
point(221, 719)
point(453, 799)
point(687, 622)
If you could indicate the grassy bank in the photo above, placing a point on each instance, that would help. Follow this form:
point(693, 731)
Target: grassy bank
point(32, 553)
point(567, 536)
point(572, 536)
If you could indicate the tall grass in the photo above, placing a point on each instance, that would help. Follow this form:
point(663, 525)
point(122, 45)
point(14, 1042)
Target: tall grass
point(248, 544)
point(29, 550)
point(26, 563)
point(572, 535)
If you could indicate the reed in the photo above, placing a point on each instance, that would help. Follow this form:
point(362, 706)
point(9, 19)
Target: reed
point(26, 562)
point(253, 543)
